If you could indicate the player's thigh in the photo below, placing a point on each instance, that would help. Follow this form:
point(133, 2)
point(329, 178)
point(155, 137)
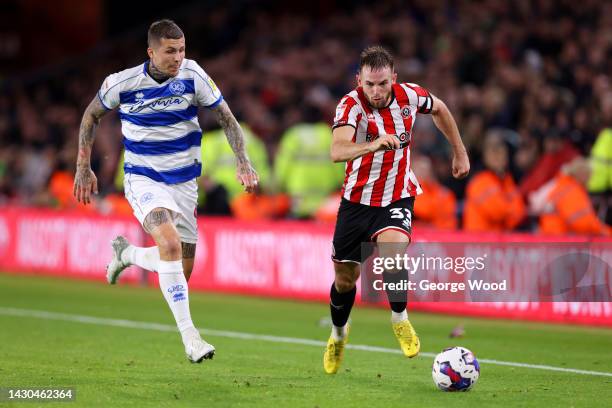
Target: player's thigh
point(185, 195)
point(189, 250)
point(392, 230)
point(351, 231)
point(145, 195)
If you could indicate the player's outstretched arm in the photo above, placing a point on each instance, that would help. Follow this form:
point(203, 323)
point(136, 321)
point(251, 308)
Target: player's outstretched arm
point(343, 148)
point(444, 121)
point(233, 132)
point(85, 182)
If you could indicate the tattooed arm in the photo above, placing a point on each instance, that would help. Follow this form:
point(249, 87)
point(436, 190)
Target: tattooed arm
point(245, 172)
point(85, 182)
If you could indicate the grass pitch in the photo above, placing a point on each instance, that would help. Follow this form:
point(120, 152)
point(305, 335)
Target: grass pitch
point(114, 364)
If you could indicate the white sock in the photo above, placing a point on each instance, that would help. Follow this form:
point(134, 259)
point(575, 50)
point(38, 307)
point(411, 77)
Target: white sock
point(338, 333)
point(399, 317)
point(173, 285)
point(146, 258)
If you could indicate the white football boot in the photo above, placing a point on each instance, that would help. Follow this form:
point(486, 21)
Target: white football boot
point(116, 265)
point(198, 350)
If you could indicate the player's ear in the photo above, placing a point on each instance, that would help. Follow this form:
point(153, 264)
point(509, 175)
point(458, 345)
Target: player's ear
point(150, 52)
point(394, 77)
point(358, 79)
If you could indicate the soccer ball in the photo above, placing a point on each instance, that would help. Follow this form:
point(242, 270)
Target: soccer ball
point(455, 369)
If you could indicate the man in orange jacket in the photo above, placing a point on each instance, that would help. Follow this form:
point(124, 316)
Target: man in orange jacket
point(564, 203)
point(493, 202)
point(437, 205)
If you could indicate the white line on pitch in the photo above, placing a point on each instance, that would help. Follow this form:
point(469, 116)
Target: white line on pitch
point(131, 324)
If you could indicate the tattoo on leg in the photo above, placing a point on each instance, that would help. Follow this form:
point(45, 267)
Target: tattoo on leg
point(188, 250)
point(156, 218)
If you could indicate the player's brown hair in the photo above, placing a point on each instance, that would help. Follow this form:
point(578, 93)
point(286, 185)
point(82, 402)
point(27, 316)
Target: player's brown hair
point(375, 57)
point(163, 29)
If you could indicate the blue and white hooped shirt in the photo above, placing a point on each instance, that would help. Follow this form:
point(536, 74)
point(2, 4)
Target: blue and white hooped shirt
point(159, 122)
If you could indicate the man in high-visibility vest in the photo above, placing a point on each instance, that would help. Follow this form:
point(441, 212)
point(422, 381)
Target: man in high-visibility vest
point(219, 162)
point(600, 183)
point(493, 201)
point(303, 169)
point(564, 204)
point(437, 206)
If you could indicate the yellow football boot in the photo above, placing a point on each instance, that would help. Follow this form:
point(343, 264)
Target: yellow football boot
point(407, 337)
point(334, 353)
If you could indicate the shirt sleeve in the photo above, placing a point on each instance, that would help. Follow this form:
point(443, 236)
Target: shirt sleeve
point(109, 92)
point(424, 102)
point(207, 93)
point(347, 113)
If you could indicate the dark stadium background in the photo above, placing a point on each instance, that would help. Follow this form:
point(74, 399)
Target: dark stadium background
point(536, 71)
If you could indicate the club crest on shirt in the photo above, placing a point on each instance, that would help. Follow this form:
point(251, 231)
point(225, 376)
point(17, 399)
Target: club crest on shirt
point(177, 88)
point(406, 111)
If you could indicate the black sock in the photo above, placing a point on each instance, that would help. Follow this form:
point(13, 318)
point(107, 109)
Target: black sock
point(397, 298)
point(340, 305)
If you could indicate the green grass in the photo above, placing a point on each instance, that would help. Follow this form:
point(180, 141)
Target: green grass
point(125, 367)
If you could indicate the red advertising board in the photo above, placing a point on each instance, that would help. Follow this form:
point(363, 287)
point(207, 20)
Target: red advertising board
point(286, 259)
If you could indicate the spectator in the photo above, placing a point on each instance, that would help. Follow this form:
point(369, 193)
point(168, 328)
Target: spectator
point(437, 206)
point(493, 202)
point(564, 205)
point(303, 167)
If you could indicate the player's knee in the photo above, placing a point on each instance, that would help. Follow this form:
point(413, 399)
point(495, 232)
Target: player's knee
point(169, 247)
point(344, 284)
point(346, 277)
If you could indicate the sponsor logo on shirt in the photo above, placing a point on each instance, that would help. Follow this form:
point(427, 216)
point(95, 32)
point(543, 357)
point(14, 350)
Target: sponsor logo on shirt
point(159, 104)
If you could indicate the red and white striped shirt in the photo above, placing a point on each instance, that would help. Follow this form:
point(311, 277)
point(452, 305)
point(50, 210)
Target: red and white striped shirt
point(380, 178)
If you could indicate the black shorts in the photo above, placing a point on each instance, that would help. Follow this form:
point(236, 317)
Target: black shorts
point(359, 223)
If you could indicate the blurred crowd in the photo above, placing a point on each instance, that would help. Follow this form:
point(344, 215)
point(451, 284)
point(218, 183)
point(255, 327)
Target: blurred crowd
point(527, 81)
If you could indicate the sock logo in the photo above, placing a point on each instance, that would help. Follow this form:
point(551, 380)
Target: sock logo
point(179, 292)
point(176, 288)
point(336, 307)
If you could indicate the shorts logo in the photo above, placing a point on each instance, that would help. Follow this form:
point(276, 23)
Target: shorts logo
point(406, 223)
point(406, 111)
point(177, 88)
point(146, 198)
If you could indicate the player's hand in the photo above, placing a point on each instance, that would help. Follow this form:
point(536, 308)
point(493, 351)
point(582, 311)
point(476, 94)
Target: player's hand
point(385, 142)
point(85, 184)
point(461, 164)
point(247, 176)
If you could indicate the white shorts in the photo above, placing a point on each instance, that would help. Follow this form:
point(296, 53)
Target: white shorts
point(181, 199)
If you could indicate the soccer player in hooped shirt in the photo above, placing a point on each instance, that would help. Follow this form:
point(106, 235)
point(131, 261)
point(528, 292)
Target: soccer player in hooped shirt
point(158, 103)
point(372, 133)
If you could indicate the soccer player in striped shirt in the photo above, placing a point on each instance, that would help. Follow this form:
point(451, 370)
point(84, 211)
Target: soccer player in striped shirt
point(372, 133)
point(158, 103)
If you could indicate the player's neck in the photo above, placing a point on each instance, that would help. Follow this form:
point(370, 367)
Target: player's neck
point(156, 74)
